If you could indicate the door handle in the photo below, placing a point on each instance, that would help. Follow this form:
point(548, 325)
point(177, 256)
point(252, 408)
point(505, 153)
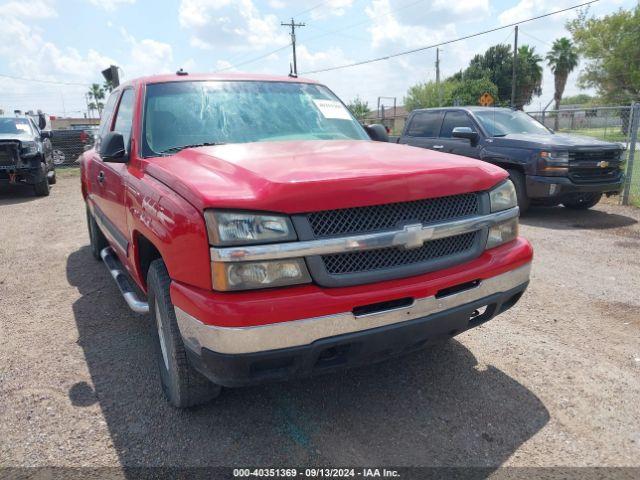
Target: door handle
point(101, 177)
point(438, 146)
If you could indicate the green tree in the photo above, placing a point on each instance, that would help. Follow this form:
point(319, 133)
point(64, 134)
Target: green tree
point(529, 76)
point(580, 99)
point(359, 108)
point(469, 91)
point(428, 95)
point(496, 65)
point(611, 45)
point(562, 59)
point(96, 94)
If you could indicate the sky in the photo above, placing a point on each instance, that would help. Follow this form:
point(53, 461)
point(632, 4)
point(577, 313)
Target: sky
point(71, 41)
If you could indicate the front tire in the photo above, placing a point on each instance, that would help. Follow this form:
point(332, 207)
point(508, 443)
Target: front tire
point(182, 385)
point(521, 189)
point(582, 201)
point(41, 188)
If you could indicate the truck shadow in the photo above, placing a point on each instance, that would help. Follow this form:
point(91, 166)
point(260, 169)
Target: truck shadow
point(436, 407)
point(14, 194)
point(560, 218)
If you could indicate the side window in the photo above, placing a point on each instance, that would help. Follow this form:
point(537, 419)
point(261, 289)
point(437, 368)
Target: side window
point(425, 124)
point(124, 117)
point(455, 119)
point(107, 114)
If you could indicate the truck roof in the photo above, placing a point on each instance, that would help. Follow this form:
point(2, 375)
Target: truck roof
point(468, 108)
point(190, 77)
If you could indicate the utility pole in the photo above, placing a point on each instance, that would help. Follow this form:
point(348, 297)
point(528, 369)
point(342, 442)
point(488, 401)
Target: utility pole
point(293, 25)
point(515, 69)
point(438, 77)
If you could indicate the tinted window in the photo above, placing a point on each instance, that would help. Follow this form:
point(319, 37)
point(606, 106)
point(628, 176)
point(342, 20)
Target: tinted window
point(455, 119)
point(107, 114)
point(499, 123)
point(124, 118)
point(424, 124)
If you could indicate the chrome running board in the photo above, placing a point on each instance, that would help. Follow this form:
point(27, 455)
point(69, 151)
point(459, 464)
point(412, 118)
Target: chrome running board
point(122, 280)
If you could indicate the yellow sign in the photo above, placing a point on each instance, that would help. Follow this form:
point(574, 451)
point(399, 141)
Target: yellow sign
point(486, 99)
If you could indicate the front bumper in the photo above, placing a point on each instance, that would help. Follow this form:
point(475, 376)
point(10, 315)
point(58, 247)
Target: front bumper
point(557, 187)
point(226, 356)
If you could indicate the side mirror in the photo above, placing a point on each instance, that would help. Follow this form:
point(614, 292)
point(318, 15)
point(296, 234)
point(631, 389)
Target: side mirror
point(377, 132)
point(45, 134)
point(465, 132)
point(112, 148)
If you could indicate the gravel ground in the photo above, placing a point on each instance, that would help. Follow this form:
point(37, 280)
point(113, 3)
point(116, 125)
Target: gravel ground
point(554, 381)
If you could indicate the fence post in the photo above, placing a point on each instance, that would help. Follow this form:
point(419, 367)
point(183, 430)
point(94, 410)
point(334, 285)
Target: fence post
point(634, 124)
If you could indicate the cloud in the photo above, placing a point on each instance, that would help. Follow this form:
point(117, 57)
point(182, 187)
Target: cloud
point(236, 25)
point(38, 9)
point(147, 56)
point(110, 5)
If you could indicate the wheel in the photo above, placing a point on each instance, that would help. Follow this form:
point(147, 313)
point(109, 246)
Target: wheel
point(521, 189)
point(97, 239)
point(182, 385)
point(59, 157)
point(582, 201)
point(52, 178)
point(42, 187)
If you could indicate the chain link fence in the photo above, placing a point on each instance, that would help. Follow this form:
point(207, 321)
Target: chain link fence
point(69, 144)
point(612, 124)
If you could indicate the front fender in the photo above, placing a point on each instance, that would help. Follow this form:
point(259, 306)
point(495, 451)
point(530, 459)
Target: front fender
point(174, 226)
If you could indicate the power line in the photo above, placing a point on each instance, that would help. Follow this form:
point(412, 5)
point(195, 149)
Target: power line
point(52, 82)
point(414, 50)
point(326, 32)
point(255, 59)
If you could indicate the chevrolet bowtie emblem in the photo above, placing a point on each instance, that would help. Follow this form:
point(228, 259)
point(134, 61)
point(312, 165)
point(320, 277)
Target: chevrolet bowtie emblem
point(414, 236)
point(603, 164)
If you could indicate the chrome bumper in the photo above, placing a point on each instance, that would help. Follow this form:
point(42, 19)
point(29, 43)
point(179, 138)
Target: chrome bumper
point(231, 340)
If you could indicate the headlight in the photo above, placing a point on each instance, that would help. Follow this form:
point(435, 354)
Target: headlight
point(554, 163)
point(232, 228)
point(502, 233)
point(28, 148)
point(252, 275)
point(503, 196)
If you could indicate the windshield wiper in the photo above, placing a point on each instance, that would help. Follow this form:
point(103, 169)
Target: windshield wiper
point(193, 145)
point(500, 135)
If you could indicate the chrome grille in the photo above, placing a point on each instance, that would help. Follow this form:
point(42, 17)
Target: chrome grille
point(370, 260)
point(346, 221)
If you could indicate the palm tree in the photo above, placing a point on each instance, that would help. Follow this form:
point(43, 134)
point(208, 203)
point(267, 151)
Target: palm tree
point(529, 81)
point(96, 92)
point(562, 58)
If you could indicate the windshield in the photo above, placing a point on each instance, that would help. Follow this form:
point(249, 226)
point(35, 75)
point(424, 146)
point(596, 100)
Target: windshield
point(15, 126)
point(179, 114)
point(499, 123)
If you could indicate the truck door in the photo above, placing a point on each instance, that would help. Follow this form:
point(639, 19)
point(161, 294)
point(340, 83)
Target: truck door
point(422, 130)
point(459, 146)
point(108, 179)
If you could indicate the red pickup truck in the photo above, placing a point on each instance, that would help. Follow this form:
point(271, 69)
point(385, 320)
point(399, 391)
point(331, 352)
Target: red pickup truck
point(273, 238)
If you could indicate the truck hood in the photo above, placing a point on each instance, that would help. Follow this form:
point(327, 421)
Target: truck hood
point(23, 137)
point(522, 140)
point(303, 176)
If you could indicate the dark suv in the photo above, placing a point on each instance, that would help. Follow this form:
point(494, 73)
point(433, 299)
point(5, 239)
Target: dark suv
point(546, 168)
point(26, 154)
